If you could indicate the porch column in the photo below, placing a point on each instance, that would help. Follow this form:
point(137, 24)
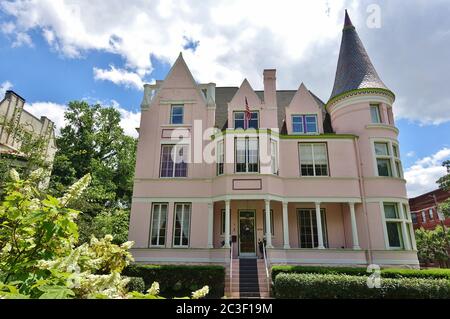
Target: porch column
point(227, 224)
point(268, 232)
point(319, 227)
point(354, 228)
point(210, 224)
point(285, 226)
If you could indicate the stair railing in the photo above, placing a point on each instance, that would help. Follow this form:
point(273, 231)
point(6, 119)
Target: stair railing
point(266, 266)
point(231, 269)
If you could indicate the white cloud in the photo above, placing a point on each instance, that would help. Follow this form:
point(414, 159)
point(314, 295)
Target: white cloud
point(5, 86)
point(129, 120)
point(411, 154)
point(422, 175)
point(119, 77)
point(237, 39)
point(22, 39)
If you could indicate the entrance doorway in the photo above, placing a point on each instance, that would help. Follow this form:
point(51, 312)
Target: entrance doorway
point(247, 238)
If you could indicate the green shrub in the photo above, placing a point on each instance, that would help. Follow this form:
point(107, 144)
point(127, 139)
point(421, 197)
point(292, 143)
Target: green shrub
point(136, 284)
point(385, 273)
point(180, 280)
point(333, 286)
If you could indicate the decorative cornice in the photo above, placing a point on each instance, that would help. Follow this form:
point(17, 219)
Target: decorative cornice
point(362, 91)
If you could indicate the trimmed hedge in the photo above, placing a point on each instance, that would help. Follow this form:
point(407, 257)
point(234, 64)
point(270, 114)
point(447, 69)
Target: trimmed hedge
point(180, 280)
point(333, 286)
point(385, 273)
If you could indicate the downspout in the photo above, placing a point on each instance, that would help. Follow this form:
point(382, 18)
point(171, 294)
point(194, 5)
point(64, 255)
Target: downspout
point(363, 198)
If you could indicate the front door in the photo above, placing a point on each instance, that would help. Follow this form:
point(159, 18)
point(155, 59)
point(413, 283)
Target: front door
point(247, 244)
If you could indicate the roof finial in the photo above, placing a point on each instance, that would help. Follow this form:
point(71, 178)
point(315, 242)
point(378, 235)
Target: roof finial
point(347, 22)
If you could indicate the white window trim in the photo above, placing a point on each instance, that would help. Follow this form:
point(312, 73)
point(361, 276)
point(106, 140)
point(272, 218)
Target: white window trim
point(176, 146)
point(404, 220)
point(304, 124)
point(159, 223)
point(220, 157)
point(373, 105)
point(312, 212)
point(313, 159)
point(392, 158)
point(172, 106)
point(247, 148)
point(182, 220)
point(251, 112)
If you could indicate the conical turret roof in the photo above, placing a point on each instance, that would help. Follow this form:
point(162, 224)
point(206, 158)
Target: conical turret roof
point(354, 68)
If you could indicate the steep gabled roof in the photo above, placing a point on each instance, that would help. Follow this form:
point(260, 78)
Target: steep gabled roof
point(354, 68)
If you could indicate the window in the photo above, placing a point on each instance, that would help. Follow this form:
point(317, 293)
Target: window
point(274, 156)
point(313, 159)
point(222, 221)
point(304, 124)
point(430, 213)
point(307, 224)
point(239, 120)
point(176, 114)
point(383, 159)
point(375, 113)
point(390, 116)
point(220, 158)
point(393, 225)
point(398, 163)
point(246, 155)
point(173, 161)
point(271, 222)
point(158, 225)
point(414, 218)
point(182, 225)
point(424, 219)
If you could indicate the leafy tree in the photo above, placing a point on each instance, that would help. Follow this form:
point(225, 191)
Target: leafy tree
point(114, 222)
point(93, 143)
point(432, 245)
point(444, 183)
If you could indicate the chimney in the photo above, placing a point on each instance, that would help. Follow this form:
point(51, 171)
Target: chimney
point(270, 88)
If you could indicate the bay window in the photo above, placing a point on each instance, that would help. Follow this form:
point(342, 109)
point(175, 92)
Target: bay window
point(182, 225)
point(375, 113)
point(398, 226)
point(313, 159)
point(388, 159)
point(246, 155)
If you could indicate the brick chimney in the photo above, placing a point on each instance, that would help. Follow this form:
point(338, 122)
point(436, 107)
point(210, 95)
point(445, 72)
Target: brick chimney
point(270, 88)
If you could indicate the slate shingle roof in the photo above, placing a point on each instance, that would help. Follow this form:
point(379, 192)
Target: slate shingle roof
point(354, 68)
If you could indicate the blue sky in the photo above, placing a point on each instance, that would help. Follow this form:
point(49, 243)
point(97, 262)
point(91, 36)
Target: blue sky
point(54, 52)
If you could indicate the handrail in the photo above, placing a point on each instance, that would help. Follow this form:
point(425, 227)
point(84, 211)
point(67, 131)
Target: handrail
point(266, 266)
point(231, 269)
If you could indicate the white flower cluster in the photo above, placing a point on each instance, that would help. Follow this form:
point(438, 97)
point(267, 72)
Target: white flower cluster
point(200, 293)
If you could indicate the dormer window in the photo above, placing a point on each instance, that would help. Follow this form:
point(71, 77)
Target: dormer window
point(177, 114)
point(304, 124)
point(239, 120)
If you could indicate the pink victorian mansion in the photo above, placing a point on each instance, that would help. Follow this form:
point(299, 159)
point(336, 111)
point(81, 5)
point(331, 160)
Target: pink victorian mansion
point(318, 183)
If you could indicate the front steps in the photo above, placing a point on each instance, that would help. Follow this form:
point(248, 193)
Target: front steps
point(248, 280)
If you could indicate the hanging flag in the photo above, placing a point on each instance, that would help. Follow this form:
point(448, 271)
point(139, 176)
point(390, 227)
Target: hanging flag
point(247, 115)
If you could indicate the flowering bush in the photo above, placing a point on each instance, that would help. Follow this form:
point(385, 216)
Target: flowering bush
point(38, 253)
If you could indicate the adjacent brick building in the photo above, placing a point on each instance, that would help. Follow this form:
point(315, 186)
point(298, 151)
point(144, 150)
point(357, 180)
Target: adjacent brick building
point(423, 209)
